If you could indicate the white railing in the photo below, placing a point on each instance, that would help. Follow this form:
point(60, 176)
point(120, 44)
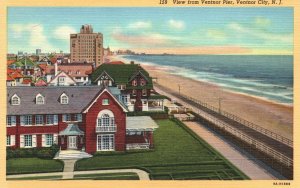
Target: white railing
point(100, 129)
point(137, 146)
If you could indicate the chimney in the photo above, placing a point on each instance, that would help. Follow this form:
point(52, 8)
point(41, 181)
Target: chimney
point(55, 68)
point(132, 62)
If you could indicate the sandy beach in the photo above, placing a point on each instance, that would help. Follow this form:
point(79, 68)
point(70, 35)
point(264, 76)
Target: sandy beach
point(270, 115)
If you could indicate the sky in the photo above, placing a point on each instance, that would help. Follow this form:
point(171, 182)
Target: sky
point(183, 30)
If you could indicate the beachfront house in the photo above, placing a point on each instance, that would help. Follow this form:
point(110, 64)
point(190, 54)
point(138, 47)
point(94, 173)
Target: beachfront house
point(133, 83)
point(85, 118)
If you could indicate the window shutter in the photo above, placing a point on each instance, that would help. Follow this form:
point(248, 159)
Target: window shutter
point(55, 139)
point(22, 120)
point(43, 140)
point(12, 140)
point(21, 141)
point(34, 140)
point(55, 119)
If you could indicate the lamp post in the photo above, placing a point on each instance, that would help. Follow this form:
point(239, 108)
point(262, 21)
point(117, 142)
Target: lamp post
point(179, 89)
point(220, 100)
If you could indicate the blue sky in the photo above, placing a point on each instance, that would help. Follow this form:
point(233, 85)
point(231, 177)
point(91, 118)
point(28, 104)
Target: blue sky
point(153, 30)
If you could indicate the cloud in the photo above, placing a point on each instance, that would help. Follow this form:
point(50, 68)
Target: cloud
point(148, 39)
point(63, 32)
point(176, 24)
point(34, 36)
point(216, 35)
point(140, 25)
point(262, 22)
point(251, 32)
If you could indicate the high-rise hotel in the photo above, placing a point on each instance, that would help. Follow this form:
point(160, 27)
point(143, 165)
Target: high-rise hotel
point(86, 46)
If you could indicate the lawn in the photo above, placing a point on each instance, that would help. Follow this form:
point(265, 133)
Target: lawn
point(178, 154)
point(108, 176)
point(32, 165)
point(37, 178)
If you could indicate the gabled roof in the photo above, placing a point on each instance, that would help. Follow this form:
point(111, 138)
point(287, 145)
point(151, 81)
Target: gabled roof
point(121, 73)
point(62, 73)
point(80, 98)
point(21, 62)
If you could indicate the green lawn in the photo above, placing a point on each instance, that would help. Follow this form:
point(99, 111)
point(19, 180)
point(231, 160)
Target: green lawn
point(37, 178)
point(32, 165)
point(178, 154)
point(108, 176)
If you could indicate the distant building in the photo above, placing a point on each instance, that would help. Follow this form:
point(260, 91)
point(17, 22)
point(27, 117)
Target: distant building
point(86, 46)
point(38, 51)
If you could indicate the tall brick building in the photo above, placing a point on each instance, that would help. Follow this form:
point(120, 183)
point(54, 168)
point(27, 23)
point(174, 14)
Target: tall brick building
point(86, 46)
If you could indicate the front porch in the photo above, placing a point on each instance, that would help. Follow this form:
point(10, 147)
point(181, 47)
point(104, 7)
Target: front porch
point(71, 138)
point(139, 132)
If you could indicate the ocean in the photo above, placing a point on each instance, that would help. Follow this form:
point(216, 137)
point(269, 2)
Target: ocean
point(264, 76)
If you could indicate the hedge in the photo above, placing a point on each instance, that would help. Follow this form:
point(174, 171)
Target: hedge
point(42, 153)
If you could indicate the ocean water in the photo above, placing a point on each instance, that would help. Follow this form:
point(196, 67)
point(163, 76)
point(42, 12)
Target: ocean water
point(265, 76)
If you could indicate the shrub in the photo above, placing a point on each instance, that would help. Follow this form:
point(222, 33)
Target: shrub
point(44, 153)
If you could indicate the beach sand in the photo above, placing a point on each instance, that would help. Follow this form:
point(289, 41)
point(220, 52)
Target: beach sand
point(269, 115)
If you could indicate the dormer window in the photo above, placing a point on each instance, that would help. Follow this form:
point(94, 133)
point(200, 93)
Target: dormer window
point(15, 100)
point(39, 99)
point(64, 99)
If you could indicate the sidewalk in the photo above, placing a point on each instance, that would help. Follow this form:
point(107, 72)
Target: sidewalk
point(253, 168)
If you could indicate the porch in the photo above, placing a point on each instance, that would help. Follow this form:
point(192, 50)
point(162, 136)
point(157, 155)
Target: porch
point(139, 132)
point(71, 138)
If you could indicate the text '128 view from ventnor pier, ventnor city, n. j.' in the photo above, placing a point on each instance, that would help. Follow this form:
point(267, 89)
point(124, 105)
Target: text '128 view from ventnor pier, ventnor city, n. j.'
point(192, 93)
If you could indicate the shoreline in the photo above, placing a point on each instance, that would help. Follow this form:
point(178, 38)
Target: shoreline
point(274, 116)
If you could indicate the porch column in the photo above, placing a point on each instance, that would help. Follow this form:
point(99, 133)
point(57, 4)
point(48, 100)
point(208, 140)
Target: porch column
point(150, 138)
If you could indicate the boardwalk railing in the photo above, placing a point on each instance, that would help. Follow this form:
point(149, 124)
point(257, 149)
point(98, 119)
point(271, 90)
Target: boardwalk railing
point(243, 121)
point(259, 145)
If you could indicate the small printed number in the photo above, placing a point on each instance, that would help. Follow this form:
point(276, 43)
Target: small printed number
point(163, 2)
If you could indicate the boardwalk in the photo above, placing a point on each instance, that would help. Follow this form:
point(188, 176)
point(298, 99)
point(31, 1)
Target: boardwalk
point(281, 149)
point(254, 169)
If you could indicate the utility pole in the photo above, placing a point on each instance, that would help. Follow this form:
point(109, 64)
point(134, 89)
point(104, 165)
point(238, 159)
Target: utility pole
point(179, 88)
point(220, 99)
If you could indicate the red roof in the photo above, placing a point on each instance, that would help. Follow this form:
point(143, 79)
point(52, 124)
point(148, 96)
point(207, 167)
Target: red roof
point(9, 78)
point(116, 62)
point(43, 66)
point(41, 82)
point(10, 61)
point(53, 60)
point(26, 81)
point(16, 74)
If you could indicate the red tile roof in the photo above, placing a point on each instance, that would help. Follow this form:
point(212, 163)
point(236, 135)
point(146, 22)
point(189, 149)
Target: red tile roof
point(26, 81)
point(9, 78)
point(10, 61)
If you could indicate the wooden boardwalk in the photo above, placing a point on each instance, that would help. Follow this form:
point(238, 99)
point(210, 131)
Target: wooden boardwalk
point(266, 141)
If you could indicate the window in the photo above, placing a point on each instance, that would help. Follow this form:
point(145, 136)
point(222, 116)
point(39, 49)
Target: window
point(66, 117)
point(26, 120)
point(64, 99)
point(144, 92)
point(51, 119)
point(143, 82)
point(15, 100)
point(39, 120)
point(49, 139)
point(78, 117)
point(124, 99)
point(134, 92)
point(8, 140)
point(106, 142)
point(11, 120)
point(39, 99)
point(28, 140)
point(105, 120)
point(61, 79)
point(105, 102)
point(134, 82)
